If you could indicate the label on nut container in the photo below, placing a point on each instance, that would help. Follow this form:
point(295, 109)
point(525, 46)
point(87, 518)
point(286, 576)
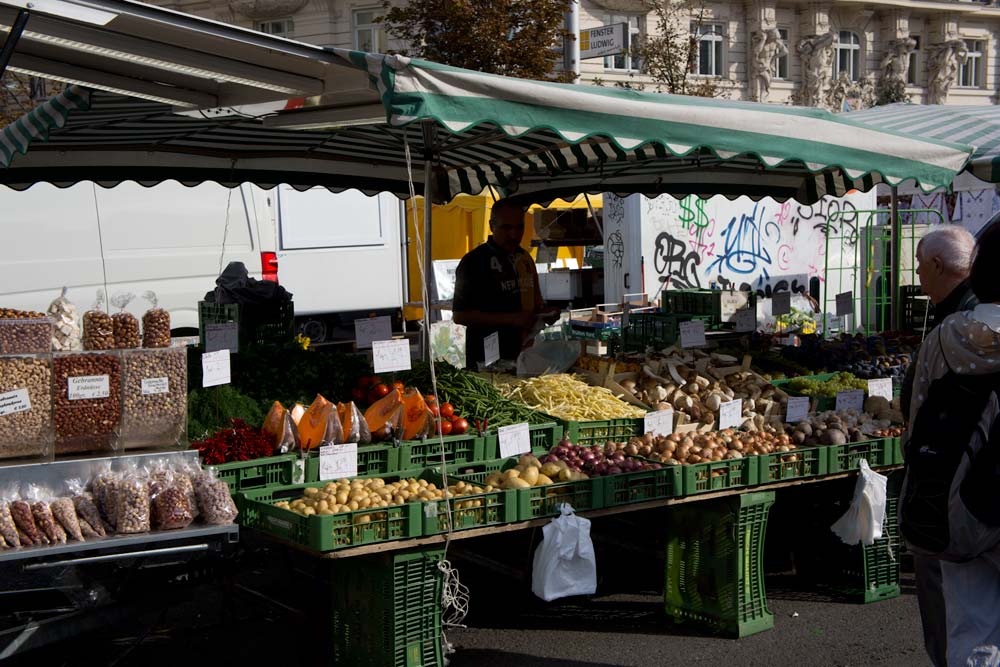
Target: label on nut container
point(152, 386)
point(12, 402)
point(83, 387)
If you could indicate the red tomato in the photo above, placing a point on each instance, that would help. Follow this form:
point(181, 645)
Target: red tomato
point(434, 410)
point(459, 426)
point(446, 428)
point(365, 382)
point(378, 391)
point(447, 410)
point(430, 399)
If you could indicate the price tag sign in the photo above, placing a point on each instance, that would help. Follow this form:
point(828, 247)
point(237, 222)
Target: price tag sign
point(781, 303)
point(731, 414)
point(853, 399)
point(881, 387)
point(222, 337)
point(12, 402)
point(731, 303)
point(693, 334)
point(845, 304)
point(491, 349)
point(797, 409)
point(659, 423)
point(338, 461)
point(82, 387)
point(370, 329)
point(514, 440)
point(152, 386)
point(215, 368)
point(389, 356)
point(546, 255)
point(746, 319)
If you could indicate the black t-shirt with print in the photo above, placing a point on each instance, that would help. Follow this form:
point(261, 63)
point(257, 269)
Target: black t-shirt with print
point(490, 280)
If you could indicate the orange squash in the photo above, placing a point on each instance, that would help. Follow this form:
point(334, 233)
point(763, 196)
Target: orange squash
point(384, 415)
point(274, 423)
point(418, 420)
point(312, 426)
point(354, 428)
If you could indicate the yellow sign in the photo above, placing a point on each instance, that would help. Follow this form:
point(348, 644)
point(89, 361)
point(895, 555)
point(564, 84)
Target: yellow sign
point(585, 40)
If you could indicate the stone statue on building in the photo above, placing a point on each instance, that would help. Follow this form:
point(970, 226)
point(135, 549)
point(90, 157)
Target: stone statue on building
point(816, 54)
point(766, 47)
point(942, 68)
point(896, 62)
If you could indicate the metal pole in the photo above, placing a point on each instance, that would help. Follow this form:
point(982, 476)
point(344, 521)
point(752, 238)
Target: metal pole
point(897, 246)
point(13, 37)
point(573, 41)
point(428, 254)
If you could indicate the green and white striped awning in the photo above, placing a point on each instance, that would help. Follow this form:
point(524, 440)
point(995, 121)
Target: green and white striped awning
point(529, 139)
point(978, 127)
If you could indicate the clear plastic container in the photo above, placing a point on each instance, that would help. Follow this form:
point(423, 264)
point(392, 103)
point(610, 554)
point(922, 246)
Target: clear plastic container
point(26, 407)
point(26, 336)
point(154, 398)
point(86, 398)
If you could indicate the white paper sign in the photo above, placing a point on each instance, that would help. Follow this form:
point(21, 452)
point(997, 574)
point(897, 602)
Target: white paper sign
point(845, 304)
point(546, 255)
point(514, 440)
point(746, 319)
point(781, 303)
point(881, 387)
point(797, 409)
point(731, 414)
point(491, 349)
point(371, 329)
point(731, 303)
point(659, 423)
point(853, 399)
point(338, 461)
point(12, 402)
point(151, 386)
point(82, 387)
point(215, 368)
point(389, 356)
point(222, 337)
point(693, 333)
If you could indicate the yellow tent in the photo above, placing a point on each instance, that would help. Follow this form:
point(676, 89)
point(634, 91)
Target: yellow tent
point(461, 225)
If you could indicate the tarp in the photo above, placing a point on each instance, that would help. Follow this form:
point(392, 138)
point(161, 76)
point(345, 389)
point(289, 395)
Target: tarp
point(530, 139)
point(977, 126)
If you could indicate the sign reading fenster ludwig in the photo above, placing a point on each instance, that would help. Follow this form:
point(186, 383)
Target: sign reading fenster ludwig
point(605, 40)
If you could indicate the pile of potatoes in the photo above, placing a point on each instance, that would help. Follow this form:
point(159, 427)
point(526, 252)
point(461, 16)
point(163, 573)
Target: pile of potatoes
point(530, 472)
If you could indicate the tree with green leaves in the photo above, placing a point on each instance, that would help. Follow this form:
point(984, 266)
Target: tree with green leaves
point(510, 37)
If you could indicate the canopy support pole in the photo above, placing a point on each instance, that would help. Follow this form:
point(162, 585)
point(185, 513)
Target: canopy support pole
point(896, 244)
point(13, 37)
point(430, 139)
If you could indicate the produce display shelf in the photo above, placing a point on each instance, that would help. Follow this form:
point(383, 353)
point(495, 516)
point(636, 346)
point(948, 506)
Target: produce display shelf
point(801, 462)
point(878, 452)
point(416, 454)
point(643, 486)
point(476, 511)
point(543, 438)
point(257, 473)
point(714, 565)
point(372, 460)
point(587, 433)
point(816, 403)
point(718, 475)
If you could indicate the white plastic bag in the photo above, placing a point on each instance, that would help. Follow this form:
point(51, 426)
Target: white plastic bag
point(863, 520)
point(564, 562)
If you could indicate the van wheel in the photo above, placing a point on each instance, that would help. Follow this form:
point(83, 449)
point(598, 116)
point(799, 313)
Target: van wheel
point(314, 330)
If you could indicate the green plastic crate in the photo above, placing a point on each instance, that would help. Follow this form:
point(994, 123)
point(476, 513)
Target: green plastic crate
point(258, 473)
point(719, 475)
point(897, 450)
point(329, 532)
point(845, 458)
point(257, 324)
point(589, 433)
point(816, 404)
point(802, 462)
point(477, 511)
point(714, 565)
point(417, 454)
point(543, 438)
point(385, 610)
point(372, 460)
point(643, 486)
point(658, 330)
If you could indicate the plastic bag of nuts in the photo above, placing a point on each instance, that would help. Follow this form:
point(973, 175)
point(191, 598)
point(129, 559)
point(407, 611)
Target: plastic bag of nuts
point(154, 399)
point(24, 332)
point(86, 391)
point(133, 502)
point(155, 324)
point(170, 508)
point(42, 513)
point(124, 324)
point(87, 515)
point(184, 474)
point(104, 487)
point(98, 327)
point(214, 502)
point(25, 406)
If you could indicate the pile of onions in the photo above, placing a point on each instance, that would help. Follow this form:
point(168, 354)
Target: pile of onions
point(597, 460)
point(681, 448)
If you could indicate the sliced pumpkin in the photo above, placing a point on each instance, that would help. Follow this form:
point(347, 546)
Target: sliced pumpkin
point(384, 416)
point(297, 411)
point(355, 428)
point(274, 423)
point(313, 424)
point(418, 420)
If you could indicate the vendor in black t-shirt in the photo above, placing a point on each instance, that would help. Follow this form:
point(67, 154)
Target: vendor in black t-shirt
point(496, 289)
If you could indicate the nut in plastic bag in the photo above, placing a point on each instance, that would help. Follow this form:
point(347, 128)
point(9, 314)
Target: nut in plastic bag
point(214, 502)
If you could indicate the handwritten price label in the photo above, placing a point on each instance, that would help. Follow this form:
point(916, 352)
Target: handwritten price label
point(881, 387)
point(659, 423)
point(369, 329)
point(491, 349)
point(746, 320)
point(693, 333)
point(781, 303)
point(731, 414)
point(215, 368)
point(514, 440)
point(83, 387)
point(797, 409)
point(853, 399)
point(338, 461)
point(222, 337)
point(12, 402)
point(389, 356)
point(845, 304)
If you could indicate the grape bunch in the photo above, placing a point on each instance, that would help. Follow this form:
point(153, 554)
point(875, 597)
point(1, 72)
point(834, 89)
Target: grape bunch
point(827, 388)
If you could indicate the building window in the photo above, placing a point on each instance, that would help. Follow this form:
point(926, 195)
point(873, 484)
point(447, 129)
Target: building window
point(711, 39)
point(781, 64)
point(276, 27)
point(625, 61)
point(848, 55)
point(911, 73)
point(970, 73)
point(368, 32)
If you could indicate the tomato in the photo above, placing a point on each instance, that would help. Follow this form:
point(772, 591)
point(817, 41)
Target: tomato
point(358, 395)
point(364, 382)
point(445, 428)
point(459, 426)
point(378, 391)
point(447, 410)
point(430, 399)
point(434, 411)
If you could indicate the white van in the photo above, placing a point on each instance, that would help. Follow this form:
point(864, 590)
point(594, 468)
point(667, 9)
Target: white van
point(336, 253)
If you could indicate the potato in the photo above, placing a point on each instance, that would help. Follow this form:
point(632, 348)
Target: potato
point(543, 480)
point(530, 475)
point(513, 472)
point(566, 475)
point(550, 469)
point(493, 479)
point(529, 460)
point(516, 483)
